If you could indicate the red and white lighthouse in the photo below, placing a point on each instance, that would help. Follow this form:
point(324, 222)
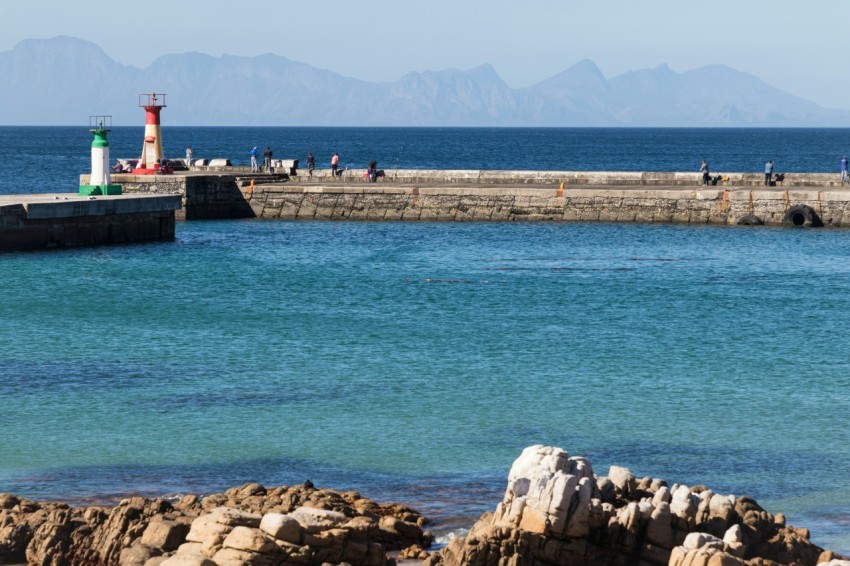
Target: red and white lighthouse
point(152, 154)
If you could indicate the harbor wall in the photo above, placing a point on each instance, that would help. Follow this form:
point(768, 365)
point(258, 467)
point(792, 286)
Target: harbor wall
point(207, 196)
point(507, 195)
point(65, 222)
point(608, 204)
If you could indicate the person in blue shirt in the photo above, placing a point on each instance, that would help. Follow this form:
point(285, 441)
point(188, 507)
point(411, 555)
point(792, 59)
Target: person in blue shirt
point(254, 165)
point(768, 172)
point(843, 169)
point(706, 174)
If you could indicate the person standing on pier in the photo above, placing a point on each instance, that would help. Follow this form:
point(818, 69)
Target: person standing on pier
point(843, 169)
point(334, 164)
point(311, 163)
point(267, 160)
point(768, 172)
point(705, 174)
point(189, 156)
point(254, 166)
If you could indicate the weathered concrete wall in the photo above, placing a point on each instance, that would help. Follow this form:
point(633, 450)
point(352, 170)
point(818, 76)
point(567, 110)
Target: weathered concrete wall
point(207, 196)
point(66, 222)
point(501, 195)
point(594, 178)
point(662, 204)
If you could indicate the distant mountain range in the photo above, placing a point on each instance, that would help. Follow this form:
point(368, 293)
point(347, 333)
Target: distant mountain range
point(64, 80)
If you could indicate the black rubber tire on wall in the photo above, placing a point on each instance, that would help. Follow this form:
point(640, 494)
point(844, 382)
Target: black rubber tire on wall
point(801, 215)
point(750, 220)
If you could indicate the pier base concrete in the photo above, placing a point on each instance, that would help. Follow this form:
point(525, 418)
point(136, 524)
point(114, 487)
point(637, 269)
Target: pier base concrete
point(31, 222)
point(506, 195)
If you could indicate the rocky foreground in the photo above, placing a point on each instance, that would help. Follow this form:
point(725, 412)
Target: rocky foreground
point(555, 512)
point(250, 525)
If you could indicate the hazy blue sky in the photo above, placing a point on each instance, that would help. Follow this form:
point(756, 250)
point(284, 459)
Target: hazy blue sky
point(799, 47)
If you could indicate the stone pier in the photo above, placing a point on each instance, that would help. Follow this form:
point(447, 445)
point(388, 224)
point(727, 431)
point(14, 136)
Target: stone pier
point(32, 222)
point(805, 199)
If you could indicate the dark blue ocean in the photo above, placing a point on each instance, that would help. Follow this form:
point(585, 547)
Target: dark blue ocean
point(414, 361)
point(26, 153)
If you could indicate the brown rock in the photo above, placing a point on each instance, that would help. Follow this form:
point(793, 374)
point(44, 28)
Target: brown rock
point(413, 552)
point(165, 535)
point(402, 533)
point(188, 560)
point(205, 528)
point(233, 557)
point(313, 520)
point(282, 527)
point(236, 517)
point(250, 489)
point(355, 550)
point(138, 529)
point(191, 548)
point(659, 529)
point(137, 555)
point(249, 540)
point(533, 521)
point(8, 501)
point(49, 544)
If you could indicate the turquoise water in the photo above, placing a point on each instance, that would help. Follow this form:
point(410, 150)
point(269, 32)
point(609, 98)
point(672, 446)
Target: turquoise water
point(413, 361)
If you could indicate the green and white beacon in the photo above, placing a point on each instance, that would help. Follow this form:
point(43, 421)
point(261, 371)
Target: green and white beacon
point(100, 182)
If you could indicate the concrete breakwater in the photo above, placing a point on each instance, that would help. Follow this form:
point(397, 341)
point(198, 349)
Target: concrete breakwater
point(800, 199)
point(32, 222)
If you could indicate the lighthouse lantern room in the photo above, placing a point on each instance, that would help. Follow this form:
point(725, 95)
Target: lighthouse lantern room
point(152, 160)
point(100, 182)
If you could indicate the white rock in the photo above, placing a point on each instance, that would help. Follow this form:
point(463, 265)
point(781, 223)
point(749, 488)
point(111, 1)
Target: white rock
point(700, 556)
point(645, 508)
point(235, 517)
point(538, 460)
point(606, 488)
point(581, 467)
point(659, 530)
point(233, 557)
point(555, 500)
point(314, 520)
point(661, 496)
point(556, 495)
point(540, 490)
point(578, 524)
point(188, 560)
point(683, 503)
point(698, 540)
point(190, 548)
point(734, 534)
point(282, 527)
point(629, 516)
point(703, 500)
point(207, 527)
point(721, 505)
point(623, 478)
point(249, 540)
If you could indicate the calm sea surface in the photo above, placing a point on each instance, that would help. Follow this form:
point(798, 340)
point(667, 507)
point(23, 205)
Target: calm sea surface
point(27, 152)
point(414, 361)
